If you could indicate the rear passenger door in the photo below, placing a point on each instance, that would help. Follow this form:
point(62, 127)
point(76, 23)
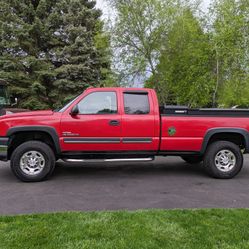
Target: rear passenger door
point(138, 122)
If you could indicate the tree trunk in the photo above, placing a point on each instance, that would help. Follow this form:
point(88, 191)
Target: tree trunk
point(217, 80)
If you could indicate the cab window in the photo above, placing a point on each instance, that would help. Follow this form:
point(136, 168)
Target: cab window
point(99, 103)
point(136, 103)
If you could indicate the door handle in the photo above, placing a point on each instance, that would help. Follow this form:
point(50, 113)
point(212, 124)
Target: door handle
point(114, 123)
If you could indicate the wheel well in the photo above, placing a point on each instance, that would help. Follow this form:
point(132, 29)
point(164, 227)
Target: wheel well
point(235, 138)
point(20, 137)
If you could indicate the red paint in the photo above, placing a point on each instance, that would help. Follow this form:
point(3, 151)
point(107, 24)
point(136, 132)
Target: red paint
point(190, 130)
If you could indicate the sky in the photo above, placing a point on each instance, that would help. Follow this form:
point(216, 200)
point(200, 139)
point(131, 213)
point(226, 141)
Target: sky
point(102, 4)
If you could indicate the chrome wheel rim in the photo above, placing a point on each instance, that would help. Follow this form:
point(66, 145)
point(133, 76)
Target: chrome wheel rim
point(225, 160)
point(32, 163)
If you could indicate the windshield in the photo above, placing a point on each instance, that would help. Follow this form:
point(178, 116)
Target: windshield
point(4, 97)
point(62, 109)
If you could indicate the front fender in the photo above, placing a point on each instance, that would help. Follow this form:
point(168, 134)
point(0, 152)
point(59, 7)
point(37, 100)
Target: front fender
point(47, 129)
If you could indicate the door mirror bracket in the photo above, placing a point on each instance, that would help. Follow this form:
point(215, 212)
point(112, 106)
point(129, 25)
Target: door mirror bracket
point(74, 111)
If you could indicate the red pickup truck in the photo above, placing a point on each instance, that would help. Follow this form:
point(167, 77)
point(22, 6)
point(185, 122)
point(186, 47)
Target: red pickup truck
point(123, 124)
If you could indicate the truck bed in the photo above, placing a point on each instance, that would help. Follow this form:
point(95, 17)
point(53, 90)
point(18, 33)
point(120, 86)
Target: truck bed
point(183, 110)
point(186, 129)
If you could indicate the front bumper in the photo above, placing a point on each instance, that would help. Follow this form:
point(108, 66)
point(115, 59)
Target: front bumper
point(4, 141)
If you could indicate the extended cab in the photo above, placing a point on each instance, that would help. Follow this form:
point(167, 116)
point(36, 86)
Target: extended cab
point(123, 124)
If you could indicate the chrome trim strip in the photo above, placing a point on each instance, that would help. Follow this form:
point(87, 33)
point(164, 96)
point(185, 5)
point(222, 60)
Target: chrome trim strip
point(129, 160)
point(107, 140)
point(92, 140)
point(73, 160)
point(137, 140)
point(109, 160)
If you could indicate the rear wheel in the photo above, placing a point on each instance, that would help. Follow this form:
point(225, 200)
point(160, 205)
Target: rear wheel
point(32, 161)
point(192, 159)
point(223, 160)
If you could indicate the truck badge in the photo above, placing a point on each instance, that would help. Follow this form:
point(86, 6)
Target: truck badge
point(172, 131)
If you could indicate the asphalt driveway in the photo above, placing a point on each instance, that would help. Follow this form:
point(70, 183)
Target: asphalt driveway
point(164, 183)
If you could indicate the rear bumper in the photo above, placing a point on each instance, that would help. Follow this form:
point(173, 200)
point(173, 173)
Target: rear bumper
point(4, 148)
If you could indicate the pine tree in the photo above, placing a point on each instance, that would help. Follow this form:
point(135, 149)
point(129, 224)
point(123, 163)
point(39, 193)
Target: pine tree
point(51, 50)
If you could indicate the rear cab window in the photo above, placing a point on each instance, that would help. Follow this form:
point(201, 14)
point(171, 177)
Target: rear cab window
point(136, 103)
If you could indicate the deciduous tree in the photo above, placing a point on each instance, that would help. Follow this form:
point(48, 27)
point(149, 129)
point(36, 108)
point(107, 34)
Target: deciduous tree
point(139, 33)
point(230, 40)
point(184, 72)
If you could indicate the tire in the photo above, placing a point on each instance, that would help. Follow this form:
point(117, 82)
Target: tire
point(27, 156)
point(192, 159)
point(214, 164)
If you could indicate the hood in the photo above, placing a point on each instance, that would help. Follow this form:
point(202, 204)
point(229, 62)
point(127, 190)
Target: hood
point(15, 110)
point(28, 113)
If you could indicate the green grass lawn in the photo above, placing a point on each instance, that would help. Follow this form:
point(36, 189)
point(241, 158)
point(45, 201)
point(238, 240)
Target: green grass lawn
point(141, 229)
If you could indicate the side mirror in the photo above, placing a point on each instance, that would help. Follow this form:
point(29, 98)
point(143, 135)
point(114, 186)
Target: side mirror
point(14, 101)
point(75, 110)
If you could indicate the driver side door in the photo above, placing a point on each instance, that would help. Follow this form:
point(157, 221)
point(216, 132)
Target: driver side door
point(97, 126)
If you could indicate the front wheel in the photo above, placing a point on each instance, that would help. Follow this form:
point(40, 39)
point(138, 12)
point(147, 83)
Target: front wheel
point(32, 161)
point(223, 160)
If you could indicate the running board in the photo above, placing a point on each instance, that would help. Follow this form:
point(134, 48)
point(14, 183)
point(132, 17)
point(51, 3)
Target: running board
point(109, 160)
